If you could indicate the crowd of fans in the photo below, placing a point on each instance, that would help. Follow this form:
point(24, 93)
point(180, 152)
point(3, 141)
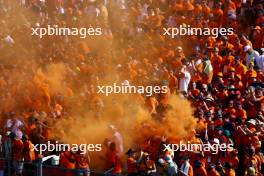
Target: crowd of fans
point(222, 78)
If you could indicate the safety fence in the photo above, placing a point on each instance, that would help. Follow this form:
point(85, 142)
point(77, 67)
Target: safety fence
point(38, 168)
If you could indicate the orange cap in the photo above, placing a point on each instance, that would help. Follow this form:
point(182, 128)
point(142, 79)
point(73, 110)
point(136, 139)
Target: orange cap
point(232, 69)
point(220, 74)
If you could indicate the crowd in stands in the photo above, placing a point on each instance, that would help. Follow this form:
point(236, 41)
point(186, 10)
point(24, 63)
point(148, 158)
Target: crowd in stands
point(221, 77)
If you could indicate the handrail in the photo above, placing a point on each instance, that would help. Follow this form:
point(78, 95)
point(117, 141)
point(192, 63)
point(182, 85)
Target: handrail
point(40, 166)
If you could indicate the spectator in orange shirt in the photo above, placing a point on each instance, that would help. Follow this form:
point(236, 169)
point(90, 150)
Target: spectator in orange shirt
point(152, 103)
point(233, 159)
point(240, 68)
point(260, 18)
point(257, 38)
point(28, 153)
point(205, 9)
point(218, 14)
point(252, 159)
point(230, 110)
point(82, 163)
point(17, 154)
point(173, 82)
point(229, 6)
point(147, 166)
point(28, 150)
point(240, 112)
point(217, 61)
point(113, 160)
point(131, 163)
point(68, 161)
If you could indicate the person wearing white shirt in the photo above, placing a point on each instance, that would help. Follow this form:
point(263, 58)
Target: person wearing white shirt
point(260, 61)
point(251, 55)
point(117, 139)
point(185, 78)
point(186, 168)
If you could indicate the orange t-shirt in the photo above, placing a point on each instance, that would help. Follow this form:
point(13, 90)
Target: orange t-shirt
point(82, 161)
point(28, 151)
point(230, 111)
point(217, 63)
point(17, 150)
point(241, 113)
point(131, 165)
point(240, 69)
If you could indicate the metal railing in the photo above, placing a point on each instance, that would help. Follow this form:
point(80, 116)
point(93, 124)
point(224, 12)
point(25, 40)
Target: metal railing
point(38, 168)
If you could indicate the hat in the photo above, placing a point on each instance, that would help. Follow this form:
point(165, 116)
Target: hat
point(145, 154)
point(8, 133)
point(112, 127)
point(216, 49)
point(220, 74)
point(179, 48)
point(216, 141)
point(251, 171)
point(210, 98)
point(238, 76)
point(246, 48)
point(257, 28)
point(204, 86)
point(252, 121)
point(232, 87)
point(130, 151)
point(232, 69)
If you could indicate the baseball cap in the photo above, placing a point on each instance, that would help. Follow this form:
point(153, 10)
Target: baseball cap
point(246, 48)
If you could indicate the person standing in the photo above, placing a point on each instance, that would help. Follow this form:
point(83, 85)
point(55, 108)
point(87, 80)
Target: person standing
point(186, 168)
point(17, 154)
point(82, 163)
point(131, 163)
point(185, 78)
